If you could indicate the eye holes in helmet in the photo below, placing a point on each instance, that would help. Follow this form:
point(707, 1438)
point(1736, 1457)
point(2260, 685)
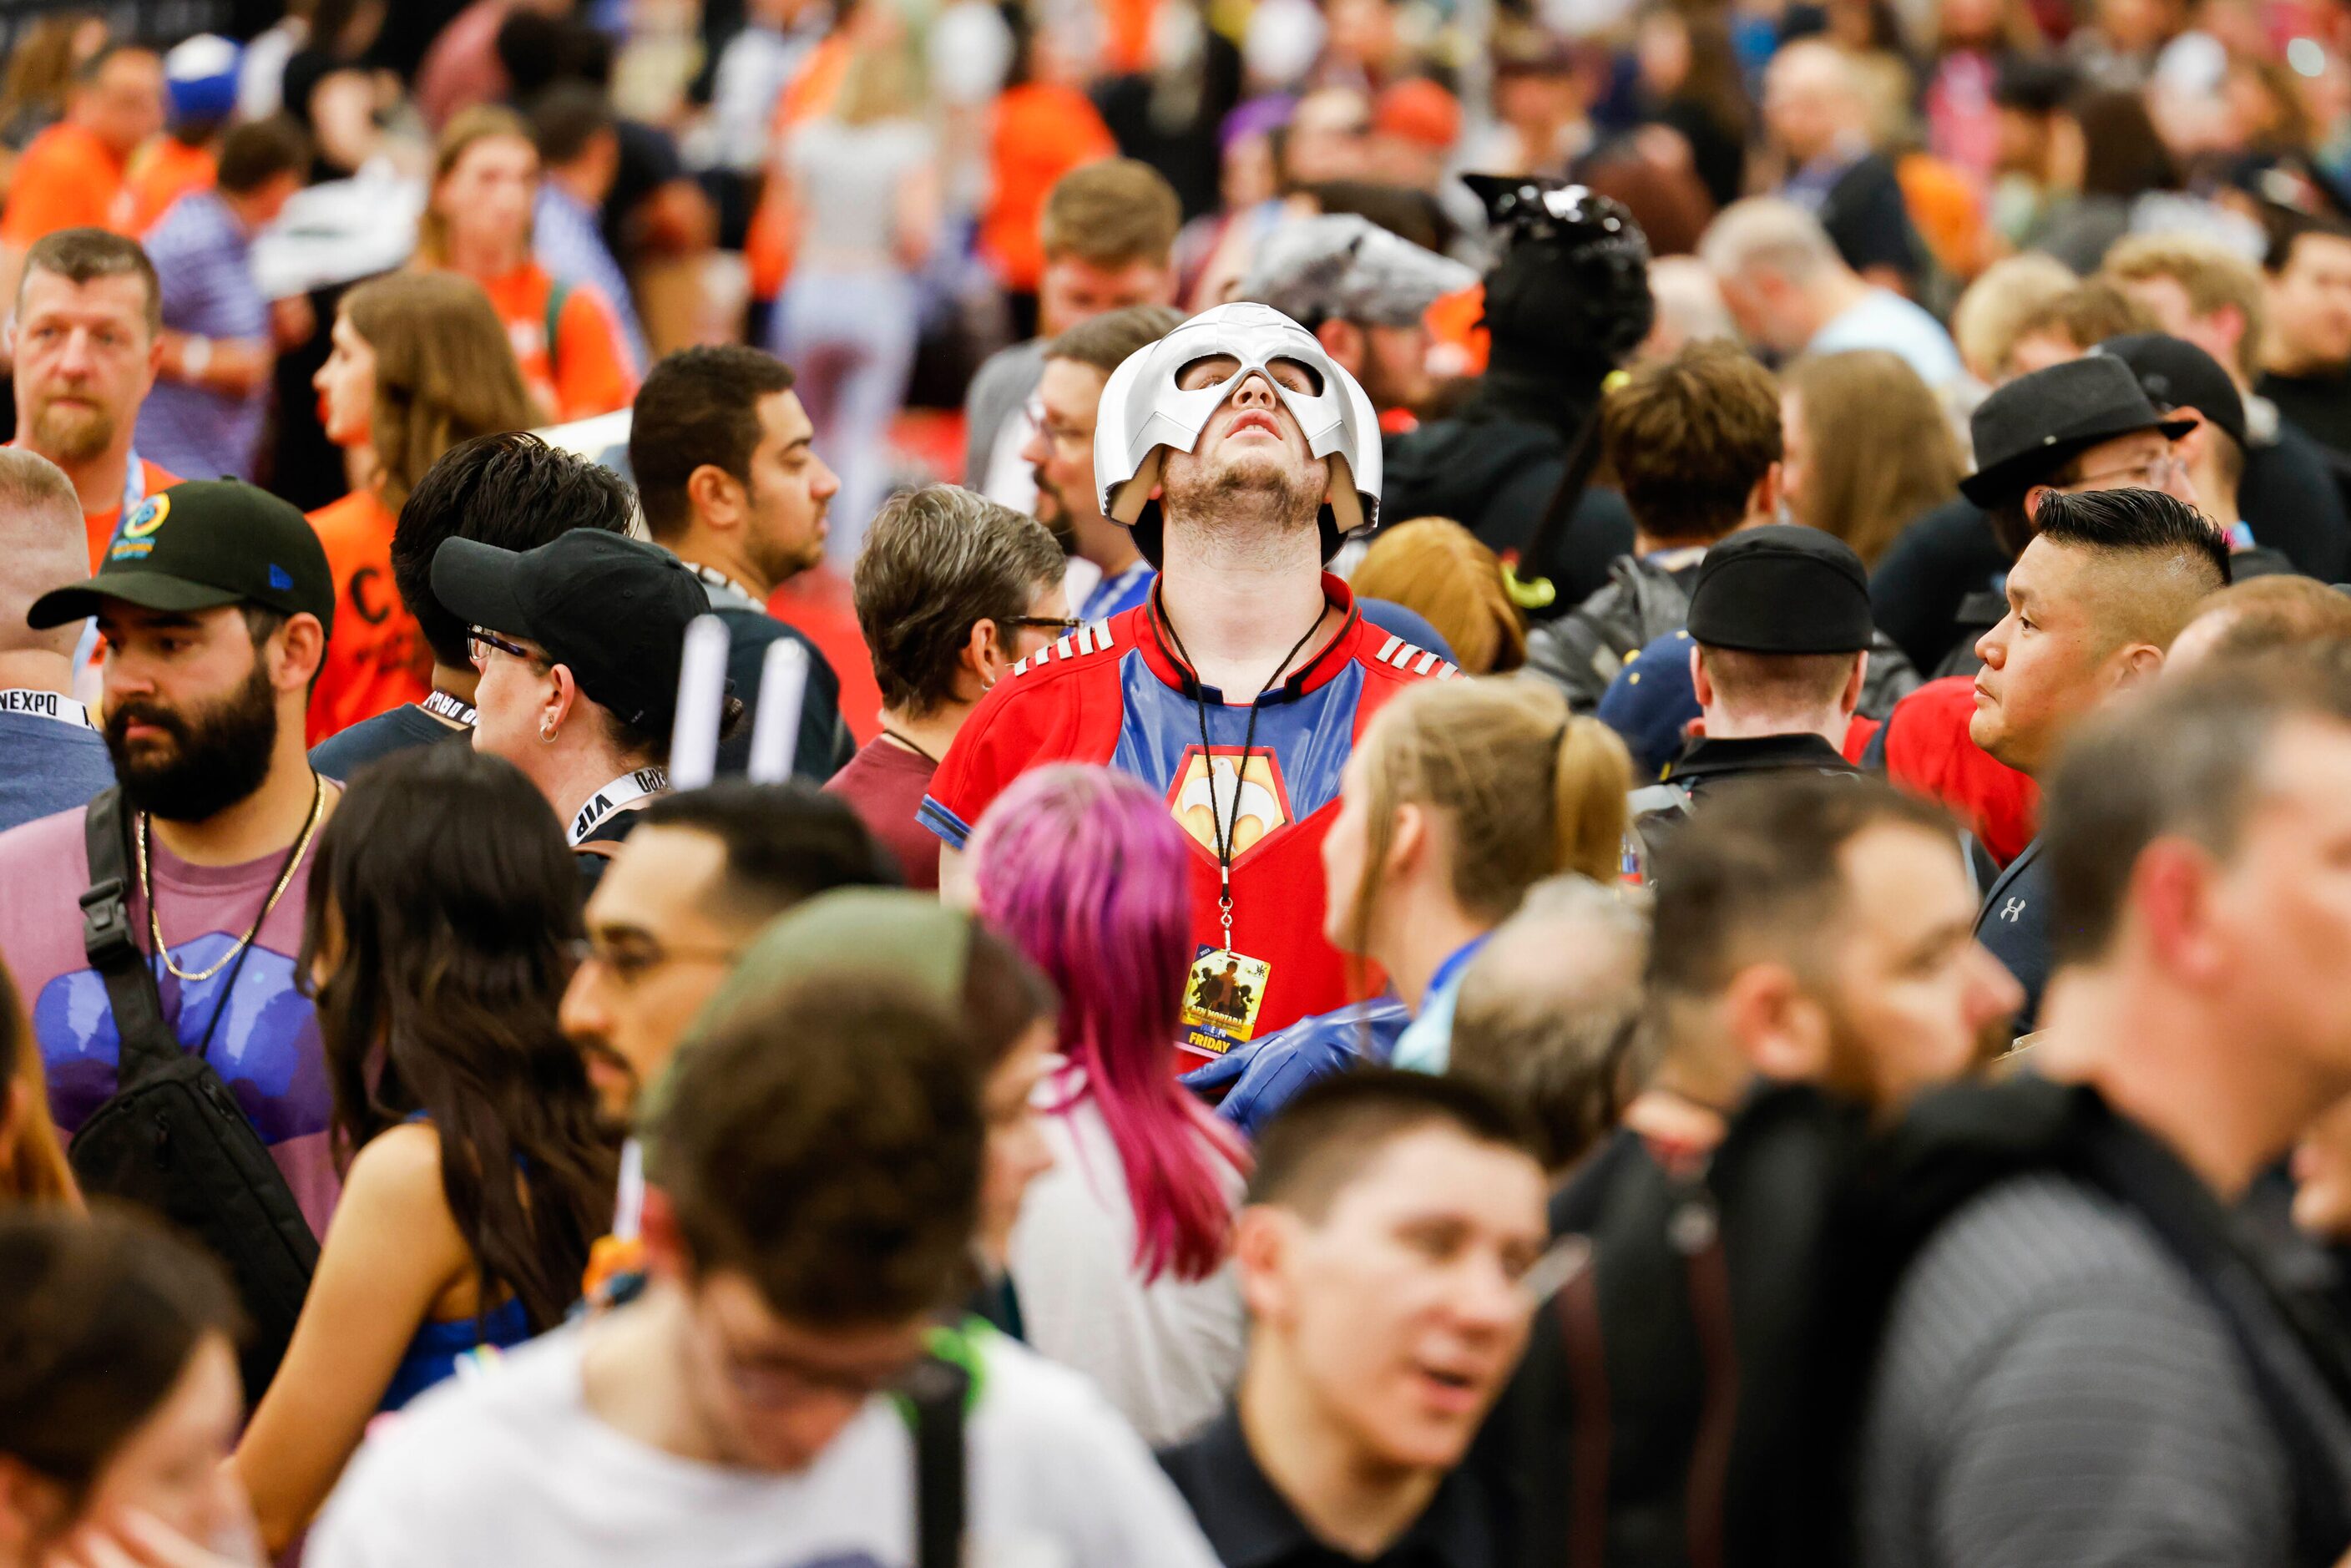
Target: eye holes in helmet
point(1296, 375)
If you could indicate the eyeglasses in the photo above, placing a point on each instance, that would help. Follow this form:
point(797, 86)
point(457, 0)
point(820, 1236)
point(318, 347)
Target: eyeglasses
point(632, 964)
point(1061, 625)
point(2147, 475)
point(479, 640)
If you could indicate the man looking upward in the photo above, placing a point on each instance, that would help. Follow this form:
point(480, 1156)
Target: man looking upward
point(1241, 455)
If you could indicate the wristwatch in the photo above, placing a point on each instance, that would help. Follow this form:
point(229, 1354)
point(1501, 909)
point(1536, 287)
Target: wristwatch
point(195, 353)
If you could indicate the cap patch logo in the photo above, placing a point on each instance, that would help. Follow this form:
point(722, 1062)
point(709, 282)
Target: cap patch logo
point(150, 516)
point(280, 579)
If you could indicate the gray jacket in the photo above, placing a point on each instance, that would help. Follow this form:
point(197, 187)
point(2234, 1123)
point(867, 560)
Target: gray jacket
point(1004, 383)
point(1581, 651)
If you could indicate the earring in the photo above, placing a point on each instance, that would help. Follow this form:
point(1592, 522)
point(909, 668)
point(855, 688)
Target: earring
point(547, 733)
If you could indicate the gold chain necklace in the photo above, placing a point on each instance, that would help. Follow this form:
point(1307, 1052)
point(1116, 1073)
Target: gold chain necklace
point(285, 879)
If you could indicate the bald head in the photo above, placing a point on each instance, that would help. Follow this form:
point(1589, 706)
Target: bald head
point(43, 544)
point(1547, 1008)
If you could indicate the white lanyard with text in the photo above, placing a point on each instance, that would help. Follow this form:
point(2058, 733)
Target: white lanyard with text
point(625, 790)
point(449, 709)
point(713, 579)
point(45, 704)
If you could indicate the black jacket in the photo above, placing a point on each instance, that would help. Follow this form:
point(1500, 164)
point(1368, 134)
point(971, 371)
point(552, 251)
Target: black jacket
point(1495, 475)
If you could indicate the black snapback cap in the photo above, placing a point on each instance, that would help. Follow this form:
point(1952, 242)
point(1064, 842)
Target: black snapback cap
point(1781, 588)
point(200, 545)
point(613, 609)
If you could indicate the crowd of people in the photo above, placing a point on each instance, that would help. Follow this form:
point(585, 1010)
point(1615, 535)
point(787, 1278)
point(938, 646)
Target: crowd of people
point(1323, 781)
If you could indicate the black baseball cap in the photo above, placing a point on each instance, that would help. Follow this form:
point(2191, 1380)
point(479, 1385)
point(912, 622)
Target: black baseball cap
point(1781, 588)
point(201, 545)
point(613, 609)
point(2176, 374)
point(2035, 426)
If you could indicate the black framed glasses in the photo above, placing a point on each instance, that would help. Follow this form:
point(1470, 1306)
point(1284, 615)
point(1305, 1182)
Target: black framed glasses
point(1059, 625)
point(479, 640)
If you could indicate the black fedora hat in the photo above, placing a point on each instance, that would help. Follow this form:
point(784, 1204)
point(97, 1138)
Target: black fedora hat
point(2036, 424)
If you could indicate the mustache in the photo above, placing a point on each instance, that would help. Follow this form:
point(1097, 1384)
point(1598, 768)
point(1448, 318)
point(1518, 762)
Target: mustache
point(124, 714)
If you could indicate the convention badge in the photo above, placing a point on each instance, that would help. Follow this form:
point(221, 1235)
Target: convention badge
point(1222, 996)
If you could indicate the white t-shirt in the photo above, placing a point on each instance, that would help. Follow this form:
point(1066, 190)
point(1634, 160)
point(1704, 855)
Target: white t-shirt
point(1166, 1354)
point(513, 1469)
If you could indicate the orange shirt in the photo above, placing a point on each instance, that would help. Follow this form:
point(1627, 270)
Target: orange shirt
point(1042, 132)
point(101, 524)
point(68, 178)
point(589, 371)
point(161, 173)
point(377, 657)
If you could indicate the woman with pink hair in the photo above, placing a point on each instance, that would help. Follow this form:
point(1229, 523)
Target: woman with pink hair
point(1118, 1262)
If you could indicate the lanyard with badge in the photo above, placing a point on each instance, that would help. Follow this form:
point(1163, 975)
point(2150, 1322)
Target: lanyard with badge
point(620, 794)
point(456, 712)
point(1225, 990)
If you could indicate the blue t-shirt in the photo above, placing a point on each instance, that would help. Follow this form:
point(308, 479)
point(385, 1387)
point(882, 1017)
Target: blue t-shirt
point(47, 764)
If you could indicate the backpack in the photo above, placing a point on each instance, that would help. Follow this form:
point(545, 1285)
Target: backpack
point(1694, 1394)
point(171, 1138)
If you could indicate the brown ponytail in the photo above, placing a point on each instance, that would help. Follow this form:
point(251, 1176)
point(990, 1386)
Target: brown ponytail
point(35, 1170)
point(1529, 791)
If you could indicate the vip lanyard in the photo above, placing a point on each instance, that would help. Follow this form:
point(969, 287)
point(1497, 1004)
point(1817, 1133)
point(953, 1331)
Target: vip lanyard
point(454, 710)
point(625, 790)
point(45, 704)
point(1225, 815)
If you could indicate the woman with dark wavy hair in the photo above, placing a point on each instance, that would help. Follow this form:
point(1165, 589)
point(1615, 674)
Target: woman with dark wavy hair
point(444, 910)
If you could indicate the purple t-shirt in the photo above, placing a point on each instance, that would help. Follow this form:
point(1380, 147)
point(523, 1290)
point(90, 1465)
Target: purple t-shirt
point(265, 1048)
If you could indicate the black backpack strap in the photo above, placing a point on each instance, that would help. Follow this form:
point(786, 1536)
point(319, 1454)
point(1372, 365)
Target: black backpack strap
point(113, 951)
point(941, 1388)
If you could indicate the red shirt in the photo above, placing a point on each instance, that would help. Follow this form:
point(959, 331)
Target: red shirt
point(1117, 693)
point(1929, 752)
point(377, 658)
point(884, 784)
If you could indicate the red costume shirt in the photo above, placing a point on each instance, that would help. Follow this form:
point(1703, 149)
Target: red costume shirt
point(1118, 693)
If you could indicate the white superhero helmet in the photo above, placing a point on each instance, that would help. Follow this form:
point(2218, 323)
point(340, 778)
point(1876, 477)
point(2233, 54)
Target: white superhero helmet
point(1145, 412)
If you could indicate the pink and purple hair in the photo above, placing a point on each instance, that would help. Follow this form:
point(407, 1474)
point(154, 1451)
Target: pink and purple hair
point(1084, 871)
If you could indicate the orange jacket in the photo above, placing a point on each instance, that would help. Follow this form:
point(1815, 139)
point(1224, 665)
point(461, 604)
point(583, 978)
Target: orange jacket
point(68, 178)
point(377, 657)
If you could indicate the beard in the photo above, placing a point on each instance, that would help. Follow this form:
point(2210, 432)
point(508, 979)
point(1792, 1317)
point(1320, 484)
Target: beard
point(73, 434)
point(1247, 491)
point(218, 754)
point(1052, 509)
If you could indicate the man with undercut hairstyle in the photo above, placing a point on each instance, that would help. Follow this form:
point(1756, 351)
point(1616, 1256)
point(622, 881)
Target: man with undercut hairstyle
point(2094, 602)
point(1390, 1222)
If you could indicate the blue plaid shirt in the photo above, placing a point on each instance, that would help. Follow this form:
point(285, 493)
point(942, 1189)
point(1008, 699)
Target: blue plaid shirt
point(568, 243)
point(203, 257)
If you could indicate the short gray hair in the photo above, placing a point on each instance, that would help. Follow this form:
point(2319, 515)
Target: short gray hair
point(1549, 1008)
point(1767, 234)
point(44, 545)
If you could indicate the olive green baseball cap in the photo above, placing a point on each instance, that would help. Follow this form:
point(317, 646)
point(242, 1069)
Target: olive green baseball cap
point(201, 545)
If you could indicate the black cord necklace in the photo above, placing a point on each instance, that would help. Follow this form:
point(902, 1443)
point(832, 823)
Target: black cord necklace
point(1225, 825)
point(909, 745)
